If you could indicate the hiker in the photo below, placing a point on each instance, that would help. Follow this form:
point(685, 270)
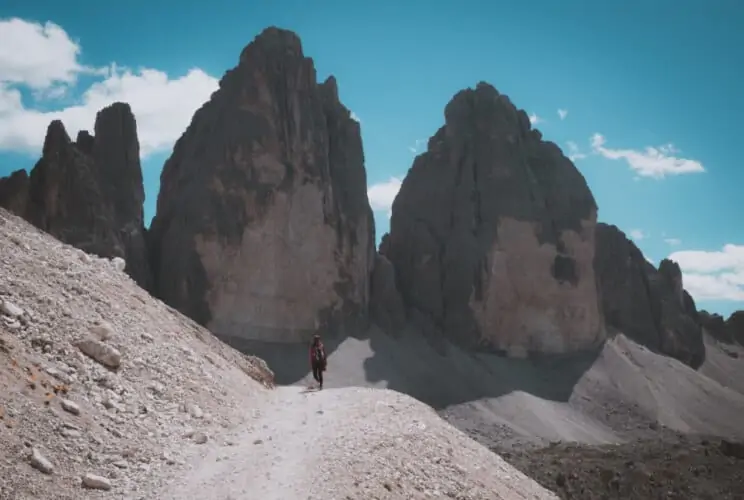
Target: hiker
point(318, 359)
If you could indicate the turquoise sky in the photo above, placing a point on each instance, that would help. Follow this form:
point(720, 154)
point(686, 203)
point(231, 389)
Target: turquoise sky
point(660, 80)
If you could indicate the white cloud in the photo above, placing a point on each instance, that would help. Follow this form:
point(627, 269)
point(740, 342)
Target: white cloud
point(562, 113)
point(417, 146)
point(534, 119)
point(355, 117)
point(637, 234)
point(673, 241)
point(656, 162)
point(162, 105)
point(574, 153)
point(37, 55)
point(716, 275)
point(382, 194)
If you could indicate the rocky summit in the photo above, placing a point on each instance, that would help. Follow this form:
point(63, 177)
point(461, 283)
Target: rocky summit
point(492, 234)
point(647, 304)
point(88, 193)
point(263, 228)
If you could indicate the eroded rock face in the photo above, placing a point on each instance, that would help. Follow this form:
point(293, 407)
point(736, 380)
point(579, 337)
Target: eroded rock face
point(492, 234)
point(735, 326)
point(14, 192)
point(647, 304)
point(715, 325)
point(89, 193)
point(263, 228)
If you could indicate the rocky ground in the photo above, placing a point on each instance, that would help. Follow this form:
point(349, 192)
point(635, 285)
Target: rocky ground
point(677, 467)
point(104, 391)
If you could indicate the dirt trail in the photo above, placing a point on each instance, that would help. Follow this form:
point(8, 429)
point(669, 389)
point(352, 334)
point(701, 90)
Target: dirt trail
point(349, 443)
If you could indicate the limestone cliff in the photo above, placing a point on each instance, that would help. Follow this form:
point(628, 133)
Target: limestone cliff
point(263, 228)
point(88, 193)
point(492, 234)
point(647, 304)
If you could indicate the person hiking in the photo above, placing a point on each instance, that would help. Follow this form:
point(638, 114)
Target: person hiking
point(318, 360)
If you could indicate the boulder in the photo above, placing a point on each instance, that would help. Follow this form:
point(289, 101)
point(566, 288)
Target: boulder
point(88, 193)
point(647, 304)
point(263, 228)
point(492, 234)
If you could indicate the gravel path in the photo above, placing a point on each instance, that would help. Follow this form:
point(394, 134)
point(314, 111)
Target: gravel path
point(349, 443)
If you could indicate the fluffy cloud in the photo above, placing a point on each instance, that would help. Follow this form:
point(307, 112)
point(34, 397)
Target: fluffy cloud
point(717, 275)
point(562, 113)
point(162, 105)
point(637, 234)
point(355, 117)
point(574, 153)
point(534, 119)
point(656, 162)
point(382, 194)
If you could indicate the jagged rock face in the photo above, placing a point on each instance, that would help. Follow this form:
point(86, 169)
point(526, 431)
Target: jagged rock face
point(89, 193)
point(735, 326)
point(14, 192)
point(492, 234)
point(648, 305)
point(622, 276)
point(715, 325)
point(263, 228)
point(386, 305)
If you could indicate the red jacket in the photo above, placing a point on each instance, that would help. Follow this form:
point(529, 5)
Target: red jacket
point(312, 352)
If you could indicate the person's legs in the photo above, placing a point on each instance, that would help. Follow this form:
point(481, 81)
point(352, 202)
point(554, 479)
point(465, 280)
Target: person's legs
point(320, 375)
point(316, 371)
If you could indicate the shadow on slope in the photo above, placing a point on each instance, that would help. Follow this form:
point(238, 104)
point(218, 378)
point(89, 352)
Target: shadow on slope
point(621, 391)
point(410, 364)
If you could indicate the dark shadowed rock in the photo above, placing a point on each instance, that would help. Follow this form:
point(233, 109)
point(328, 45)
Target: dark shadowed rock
point(648, 305)
point(386, 304)
point(263, 228)
point(14, 192)
point(622, 277)
point(680, 332)
point(715, 325)
point(492, 234)
point(735, 326)
point(89, 193)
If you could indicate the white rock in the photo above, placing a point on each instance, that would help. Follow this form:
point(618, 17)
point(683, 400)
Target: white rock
point(40, 462)
point(10, 309)
point(103, 353)
point(119, 264)
point(102, 330)
point(195, 411)
point(95, 482)
point(200, 438)
point(70, 406)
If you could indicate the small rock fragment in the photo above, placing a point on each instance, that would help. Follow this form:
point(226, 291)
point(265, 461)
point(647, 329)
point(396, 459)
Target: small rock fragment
point(10, 309)
point(102, 330)
point(100, 352)
point(119, 264)
point(195, 411)
point(70, 406)
point(40, 462)
point(200, 438)
point(95, 482)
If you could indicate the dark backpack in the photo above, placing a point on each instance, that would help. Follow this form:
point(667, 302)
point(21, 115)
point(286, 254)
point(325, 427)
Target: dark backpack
point(318, 355)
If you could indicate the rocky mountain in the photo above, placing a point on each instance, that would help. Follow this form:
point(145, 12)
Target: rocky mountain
point(647, 304)
point(88, 193)
point(728, 331)
point(492, 234)
point(14, 191)
point(263, 228)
